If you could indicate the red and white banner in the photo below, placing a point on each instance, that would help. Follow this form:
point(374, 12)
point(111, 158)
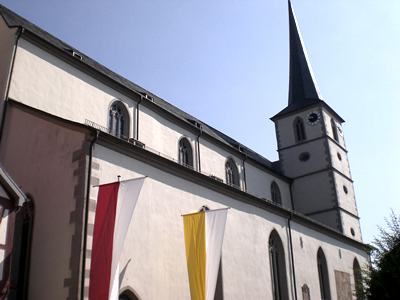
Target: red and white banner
point(115, 204)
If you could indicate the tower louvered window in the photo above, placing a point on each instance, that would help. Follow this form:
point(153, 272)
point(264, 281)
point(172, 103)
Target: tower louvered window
point(334, 130)
point(299, 130)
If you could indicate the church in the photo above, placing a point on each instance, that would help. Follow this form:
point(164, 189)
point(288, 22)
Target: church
point(69, 124)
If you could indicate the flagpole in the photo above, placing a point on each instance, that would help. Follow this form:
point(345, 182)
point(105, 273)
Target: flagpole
point(119, 176)
point(210, 210)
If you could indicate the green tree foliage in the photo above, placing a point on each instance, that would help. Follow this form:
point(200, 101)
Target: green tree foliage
point(383, 280)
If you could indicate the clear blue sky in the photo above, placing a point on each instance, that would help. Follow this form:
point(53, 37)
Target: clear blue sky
point(226, 62)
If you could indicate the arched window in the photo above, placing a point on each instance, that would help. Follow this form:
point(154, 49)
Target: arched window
point(299, 132)
point(185, 153)
point(278, 267)
point(334, 130)
point(358, 285)
point(118, 120)
point(323, 275)
point(127, 295)
point(305, 291)
point(275, 193)
point(232, 173)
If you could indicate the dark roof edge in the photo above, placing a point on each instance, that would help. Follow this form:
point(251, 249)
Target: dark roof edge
point(285, 113)
point(32, 32)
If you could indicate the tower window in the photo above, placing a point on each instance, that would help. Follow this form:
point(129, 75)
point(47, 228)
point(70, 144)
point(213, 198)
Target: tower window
point(345, 190)
point(353, 233)
point(232, 173)
point(118, 120)
point(339, 156)
point(304, 156)
point(334, 130)
point(185, 153)
point(275, 193)
point(299, 131)
point(278, 267)
point(323, 275)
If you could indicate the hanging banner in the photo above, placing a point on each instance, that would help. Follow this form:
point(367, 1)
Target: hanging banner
point(115, 205)
point(204, 233)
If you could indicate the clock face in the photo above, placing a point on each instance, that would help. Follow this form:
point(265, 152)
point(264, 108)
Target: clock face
point(313, 118)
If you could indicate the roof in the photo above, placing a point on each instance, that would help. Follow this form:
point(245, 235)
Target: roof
point(14, 20)
point(303, 88)
point(11, 187)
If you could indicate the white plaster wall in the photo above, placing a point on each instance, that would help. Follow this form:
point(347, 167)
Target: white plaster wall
point(306, 259)
point(259, 184)
point(213, 159)
point(349, 222)
point(293, 166)
point(341, 165)
point(163, 135)
point(49, 84)
point(154, 254)
point(286, 129)
point(313, 193)
point(346, 201)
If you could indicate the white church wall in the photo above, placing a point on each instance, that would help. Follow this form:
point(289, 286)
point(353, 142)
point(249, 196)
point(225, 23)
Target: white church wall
point(259, 184)
point(310, 193)
point(285, 128)
point(155, 252)
point(339, 256)
point(163, 135)
point(350, 222)
point(346, 200)
point(213, 159)
point(47, 83)
point(294, 167)
point(342, 163)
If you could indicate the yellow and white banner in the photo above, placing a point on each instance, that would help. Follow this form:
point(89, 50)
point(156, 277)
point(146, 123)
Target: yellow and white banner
point(204, 233)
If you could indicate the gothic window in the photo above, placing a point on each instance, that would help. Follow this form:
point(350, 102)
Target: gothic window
point(275, 193)
point(277, 267)
point(118, 120)
point(299, 131)
point(323, 275)
point(232, 173)
point(334, 130)
point(358, 285)
point(185, 153)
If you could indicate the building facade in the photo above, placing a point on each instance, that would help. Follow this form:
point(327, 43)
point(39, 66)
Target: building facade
point(69, 124)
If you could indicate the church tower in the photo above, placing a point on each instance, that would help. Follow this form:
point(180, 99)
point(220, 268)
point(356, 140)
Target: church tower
point(312, 149)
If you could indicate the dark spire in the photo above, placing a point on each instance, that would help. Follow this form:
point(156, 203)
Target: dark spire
point(303, 89)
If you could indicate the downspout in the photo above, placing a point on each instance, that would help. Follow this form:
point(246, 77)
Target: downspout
point(19, 32)
point(86, 217)
point(198, 148)
point(244, 173)
point(137, 117)
point(292, 256)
